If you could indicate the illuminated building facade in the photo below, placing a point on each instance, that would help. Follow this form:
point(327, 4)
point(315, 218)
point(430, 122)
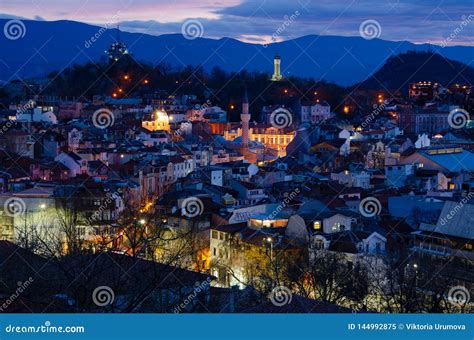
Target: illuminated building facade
point(271, 137)
point(159, 122)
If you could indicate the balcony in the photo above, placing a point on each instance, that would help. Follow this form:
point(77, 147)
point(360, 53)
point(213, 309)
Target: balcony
point(432, 249)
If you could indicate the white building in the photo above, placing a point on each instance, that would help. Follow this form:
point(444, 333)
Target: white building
point(37, 115)
point(73, 162)
point(316, 113)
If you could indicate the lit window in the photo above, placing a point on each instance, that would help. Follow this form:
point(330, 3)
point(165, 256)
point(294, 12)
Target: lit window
point(317, 225)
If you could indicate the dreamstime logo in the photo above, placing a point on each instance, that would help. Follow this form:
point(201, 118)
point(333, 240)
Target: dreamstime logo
point(281, 118)
point(459, 295)
point(192, 29)
point(370, 206)
point(192, 207)
point(458, 118)
point(14, 206)
point(280, 296)
point(103, 118)
point(103, 296)
point(370, 29)
point(14, 29)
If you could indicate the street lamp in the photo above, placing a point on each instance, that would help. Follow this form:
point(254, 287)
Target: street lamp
point(270, 240)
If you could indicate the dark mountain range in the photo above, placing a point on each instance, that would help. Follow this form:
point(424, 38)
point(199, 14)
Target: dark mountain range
point(401, 70)
point(54, 45)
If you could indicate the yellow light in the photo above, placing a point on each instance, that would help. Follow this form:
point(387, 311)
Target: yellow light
point(346, 109)
point(120, 90)
point(317, 225)
point(146, 81)
point(232, 107)
point(114, 94)
point(126, 77)
point(286, 91)
point(142, 221)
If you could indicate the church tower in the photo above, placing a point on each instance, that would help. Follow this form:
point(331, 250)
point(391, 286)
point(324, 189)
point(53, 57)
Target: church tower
point(245, 119)
point(276, 69)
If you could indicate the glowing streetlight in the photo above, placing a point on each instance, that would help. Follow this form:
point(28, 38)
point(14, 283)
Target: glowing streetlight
point(270, 240)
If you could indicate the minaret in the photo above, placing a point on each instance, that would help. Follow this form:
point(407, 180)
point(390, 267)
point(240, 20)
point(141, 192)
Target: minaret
point(245, 118)
point(276, 69)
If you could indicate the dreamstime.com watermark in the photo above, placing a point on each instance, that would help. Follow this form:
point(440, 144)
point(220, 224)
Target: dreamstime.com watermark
point(377, 110)
point(200, 288)
point(97, 214)
point(466, 20)
point(284, 203)
point(443, 220)
point(287, 22)
point(102, 30)
point(21, 288)
point(46, 328)
point(19, 111)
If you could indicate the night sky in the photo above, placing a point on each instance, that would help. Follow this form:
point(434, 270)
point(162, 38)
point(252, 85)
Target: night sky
point(256, 20)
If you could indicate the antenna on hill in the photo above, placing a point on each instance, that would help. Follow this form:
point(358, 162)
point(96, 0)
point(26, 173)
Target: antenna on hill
point(118, 32)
